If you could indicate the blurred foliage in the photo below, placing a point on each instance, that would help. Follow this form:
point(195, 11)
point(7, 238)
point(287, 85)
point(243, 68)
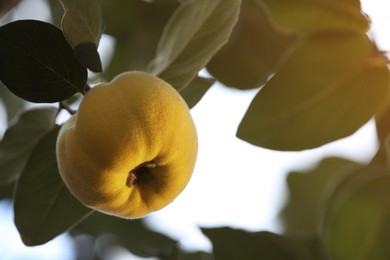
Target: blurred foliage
point(6, 191)
point(133, 235)
point(12, 104)
point(328, 74)
point(319, 78)
point(382, 121)
point(311, 17)
point(137, 36)
point(238, 244)
point(255, 49)
point(53, 209)
point(356, 222)
point(20, 139)
point(308, 194)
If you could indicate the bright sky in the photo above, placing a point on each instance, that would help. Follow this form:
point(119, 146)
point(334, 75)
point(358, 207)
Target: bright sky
point(234, 183)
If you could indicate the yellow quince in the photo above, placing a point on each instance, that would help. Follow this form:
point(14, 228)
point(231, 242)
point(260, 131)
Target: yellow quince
point(131, 147)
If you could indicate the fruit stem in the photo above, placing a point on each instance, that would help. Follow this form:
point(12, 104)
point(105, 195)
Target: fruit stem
point(140, 174)
point(65, 106)
point(131, 179)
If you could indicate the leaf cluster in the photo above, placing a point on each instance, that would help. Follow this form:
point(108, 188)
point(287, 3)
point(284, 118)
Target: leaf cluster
point(318, 75)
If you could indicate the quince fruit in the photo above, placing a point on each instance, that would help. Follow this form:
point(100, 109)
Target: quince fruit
point(131, 147)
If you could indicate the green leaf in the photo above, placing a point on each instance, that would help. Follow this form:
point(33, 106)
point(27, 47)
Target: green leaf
point(82, 26)
point(313, 16)
point(382, 121)
point(194, 256)
point(328, 88)
point(57, 12)
point(308, 193)
point(37, 64)
point(357, 225)
point(150, 16)
point(193, 93)
point(12, 103)
point(20, 139)
point(237, 244)
point(254, 51)
point(135, 40)
point(6, 6)
point(7, 191)
point(43, 206)
point(132, 234)
point(191, 37)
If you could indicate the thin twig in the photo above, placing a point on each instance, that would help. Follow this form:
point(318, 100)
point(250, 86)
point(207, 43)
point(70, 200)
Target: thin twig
point(65, 106)
point(87, 87)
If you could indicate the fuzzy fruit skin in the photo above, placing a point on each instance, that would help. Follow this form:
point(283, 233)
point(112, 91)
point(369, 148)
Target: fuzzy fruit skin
point(136, 118)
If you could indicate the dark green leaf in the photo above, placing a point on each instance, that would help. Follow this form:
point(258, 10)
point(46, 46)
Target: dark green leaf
point(7, 191)
point(88, 55)
point(308, 192)
point(132, 234)
point(20, 139)
point(230, 244)
point(194, 256)
point(193, 93)
point(313, 16)
point(191, 37)
point(43, 207)
point(82, 26)
point(36, 62)
point(327, 89)
point(254, 51)
point(357, 224)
